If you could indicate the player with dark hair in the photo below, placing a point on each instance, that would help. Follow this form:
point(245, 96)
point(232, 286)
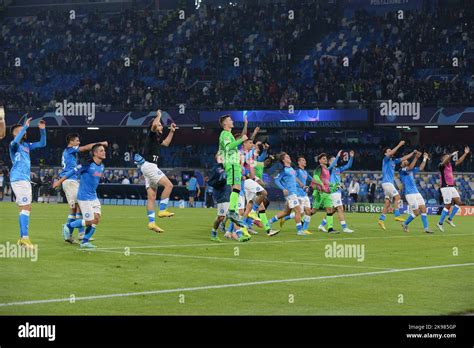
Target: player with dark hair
point(153, 175)
point(20, 174)
point(70, 186)
point(87, 199)
point(388, 173)
point(286, 181)
point(322, 191)
point(448, 190)
point(413, 196)
point(335, 184)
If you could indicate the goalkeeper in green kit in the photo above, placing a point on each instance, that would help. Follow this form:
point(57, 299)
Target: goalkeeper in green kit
point(228, 150)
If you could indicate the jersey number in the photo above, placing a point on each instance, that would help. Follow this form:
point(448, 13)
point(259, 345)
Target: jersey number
point(17, 156)
point(155, 158)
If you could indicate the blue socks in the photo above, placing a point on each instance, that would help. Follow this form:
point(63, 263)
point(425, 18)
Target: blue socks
point(24, 221)
point(255, 207)
point(151, 215)
point(307, 219)
point(70, 218)
point(273, 220)
point(164, 204)
point(75, 224)
point(79, 217)
point(89, 232)
point(396, 212)
point(299, 227)
point(409, 219)
point(324, 222)
point(382, 217)
point(213, 233)
point(288, 217)
point(453, 212)
point(444, 213)
point(424, 219)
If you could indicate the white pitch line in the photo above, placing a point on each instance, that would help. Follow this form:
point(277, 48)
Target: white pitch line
point(233, 259)
point(223, 286)
point(307, 240)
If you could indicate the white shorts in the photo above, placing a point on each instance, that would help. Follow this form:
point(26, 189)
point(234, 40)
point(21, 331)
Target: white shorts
point(89, 208)
point(241, 203)
point(336, 199)
point(292, 201)
point(389, 190)
point(251, 188)
point(22, 191)
point(222, 209)
point(70, 188)
point(448, 193)
point(415, 200)
point(304, 202)
point(152, 174)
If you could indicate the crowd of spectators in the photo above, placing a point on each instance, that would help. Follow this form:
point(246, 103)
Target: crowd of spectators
point(192, 61)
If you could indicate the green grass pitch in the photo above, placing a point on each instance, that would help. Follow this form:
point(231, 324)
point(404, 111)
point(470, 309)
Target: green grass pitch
point(181, 272)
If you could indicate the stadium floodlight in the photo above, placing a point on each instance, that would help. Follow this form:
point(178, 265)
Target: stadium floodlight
point(93, 128)
point(433, 127)
point(461, 126)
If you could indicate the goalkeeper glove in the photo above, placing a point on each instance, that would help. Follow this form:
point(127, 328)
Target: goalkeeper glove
point(138, 160)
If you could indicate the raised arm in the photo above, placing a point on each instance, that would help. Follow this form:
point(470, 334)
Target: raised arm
point(3, 127)
point(413, 163)
point(88, 147)
point(42, 142)
point(334, 163)
point(348, 165)
point(21, 133)
point(244, 130)
point(168, 139)
point(426, 157)
point(463, 157)
point(156, 121)
point(255, 132)
point(408, 156)
point(395, 149)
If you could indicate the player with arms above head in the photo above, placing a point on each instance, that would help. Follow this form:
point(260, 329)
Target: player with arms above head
point(87, 199)
point(20, 152)
point(448, 189)
point(228, 150)
point(148, 164)
point(413, 196)
point(335, 184)
point(70, 186)
point(3, 126)
point(388, 180)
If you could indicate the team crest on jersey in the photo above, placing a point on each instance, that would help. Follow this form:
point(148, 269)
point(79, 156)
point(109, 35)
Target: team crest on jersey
point(87, 215)
point(25, 199)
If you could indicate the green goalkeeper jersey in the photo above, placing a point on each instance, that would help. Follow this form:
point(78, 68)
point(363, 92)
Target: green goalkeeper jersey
point(228, 148)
